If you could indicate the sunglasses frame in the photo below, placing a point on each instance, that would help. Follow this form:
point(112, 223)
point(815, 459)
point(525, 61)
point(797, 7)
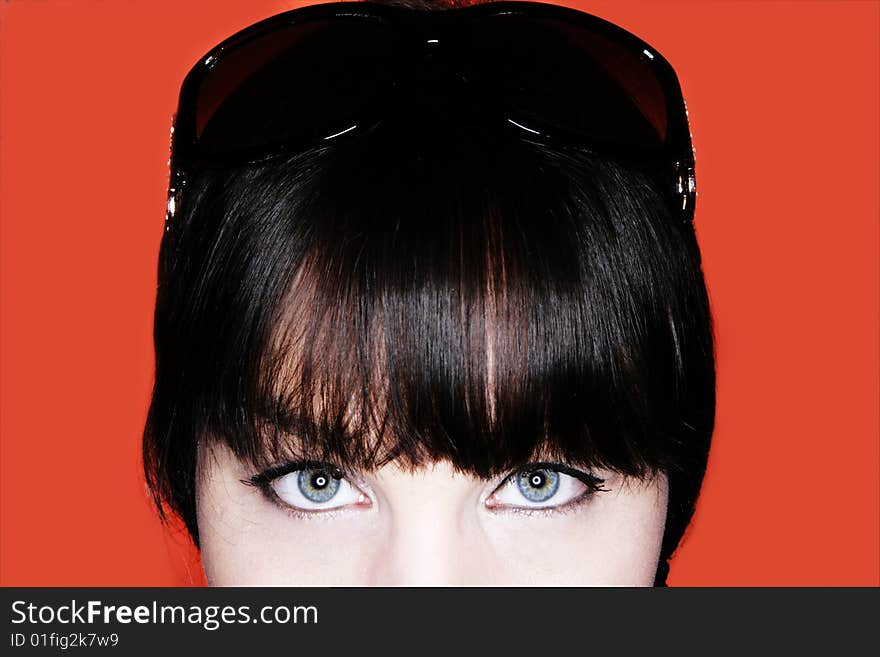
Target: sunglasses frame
point(677, 155)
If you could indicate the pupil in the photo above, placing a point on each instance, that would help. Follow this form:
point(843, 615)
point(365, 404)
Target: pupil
point(538, 485)
point(318, 485)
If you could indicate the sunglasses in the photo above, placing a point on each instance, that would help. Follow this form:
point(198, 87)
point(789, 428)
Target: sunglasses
point(325, 72)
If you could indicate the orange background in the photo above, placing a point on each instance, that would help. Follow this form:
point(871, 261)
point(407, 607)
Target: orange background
point(783, 99)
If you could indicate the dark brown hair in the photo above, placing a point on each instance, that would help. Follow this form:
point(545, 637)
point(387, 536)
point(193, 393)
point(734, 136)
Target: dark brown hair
point(422, 293)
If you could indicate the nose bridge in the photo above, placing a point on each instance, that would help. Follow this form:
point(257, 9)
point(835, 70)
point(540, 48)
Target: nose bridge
point(427, 552)
point(432, 538)
point(432, 78)
point(433, 73)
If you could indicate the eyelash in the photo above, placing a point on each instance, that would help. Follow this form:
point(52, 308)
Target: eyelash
point(593, 483)
point(263, 482)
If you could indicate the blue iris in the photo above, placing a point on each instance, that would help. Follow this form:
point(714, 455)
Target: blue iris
point(538, 485)
point(317, 485)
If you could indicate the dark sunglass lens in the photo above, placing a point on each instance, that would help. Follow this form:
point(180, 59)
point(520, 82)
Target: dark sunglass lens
point(571, 78)
point(299, 81)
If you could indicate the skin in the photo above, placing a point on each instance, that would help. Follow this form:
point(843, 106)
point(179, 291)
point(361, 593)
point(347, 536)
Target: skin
point(429, 527)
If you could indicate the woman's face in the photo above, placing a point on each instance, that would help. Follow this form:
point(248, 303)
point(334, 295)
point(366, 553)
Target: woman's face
point(432, 526)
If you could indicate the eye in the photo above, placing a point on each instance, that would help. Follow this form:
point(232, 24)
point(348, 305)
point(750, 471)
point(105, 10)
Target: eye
point(310, 488)
point(544, 486)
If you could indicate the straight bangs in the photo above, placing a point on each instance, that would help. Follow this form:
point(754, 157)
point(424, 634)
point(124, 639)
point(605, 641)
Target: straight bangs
point(463, 296)
point(489, 306)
